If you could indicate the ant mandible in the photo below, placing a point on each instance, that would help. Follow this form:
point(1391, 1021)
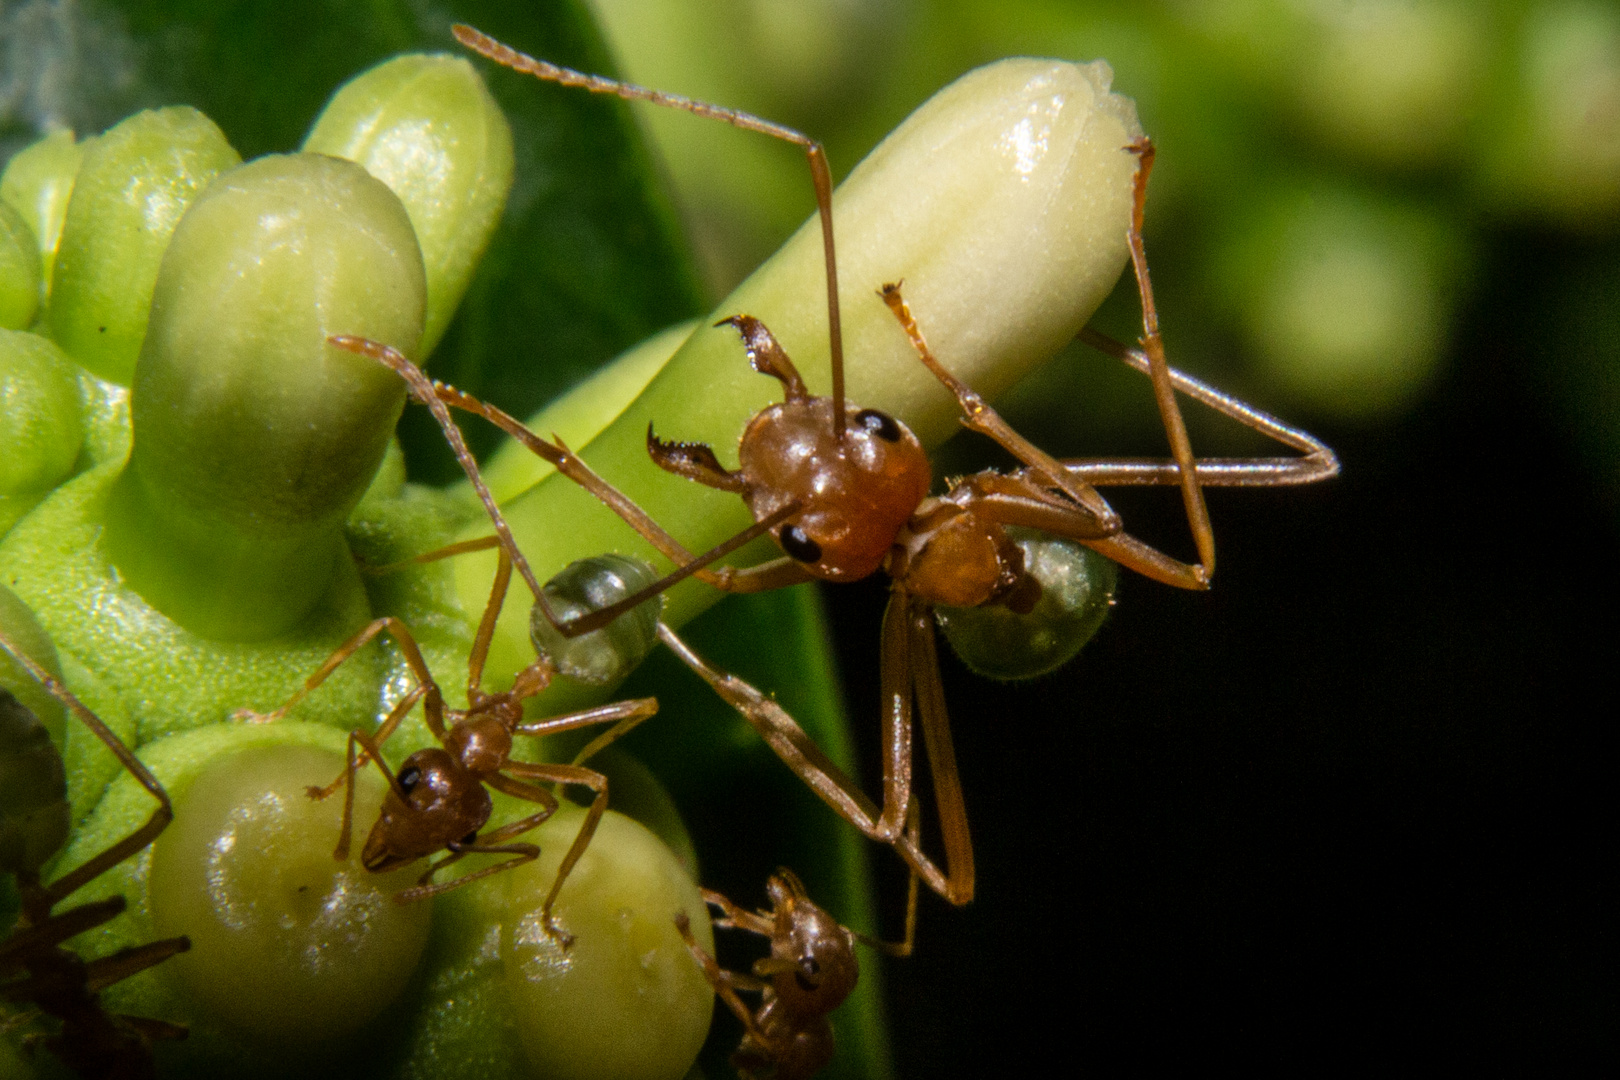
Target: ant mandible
point(33, 827)
point(850, 486)
point(811, 970)
point(438, 801)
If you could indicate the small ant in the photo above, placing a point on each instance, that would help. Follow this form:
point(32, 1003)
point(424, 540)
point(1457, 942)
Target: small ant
point(438, 801)
point(846, 492)
point(811, 970)
point(33, 827)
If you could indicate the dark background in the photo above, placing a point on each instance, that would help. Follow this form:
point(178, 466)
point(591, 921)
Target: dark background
point(1355, 804)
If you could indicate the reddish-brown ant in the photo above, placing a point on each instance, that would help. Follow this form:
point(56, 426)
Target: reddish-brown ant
point(34, 823)
point(811, 970)
point(852, 498)
point(438, 801)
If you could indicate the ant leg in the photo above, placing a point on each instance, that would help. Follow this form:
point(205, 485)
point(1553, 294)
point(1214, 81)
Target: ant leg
point(809, 762)
point(724, 982)
point(906, 945)
point(460, 547)
point(437, 395)
point(1318, 462)
point(100, 974)
point(560, 774)
point(1192, 495)
point(820, 175)
point(402, 637)
point(936, 729)
point(627, 714)
point(977, 415)
point(135, 841)
point(373, 751)
point(155, 1030)
point(51, 930)
point(755, 922)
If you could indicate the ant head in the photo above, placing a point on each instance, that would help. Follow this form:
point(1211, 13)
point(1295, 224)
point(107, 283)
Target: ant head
point(435, 801)
point(858, 491)
point(813, 961)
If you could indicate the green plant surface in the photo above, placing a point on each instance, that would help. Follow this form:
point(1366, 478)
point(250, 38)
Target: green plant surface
point(584, 262)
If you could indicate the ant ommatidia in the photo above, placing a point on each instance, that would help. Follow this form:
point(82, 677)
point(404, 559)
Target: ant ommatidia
point(844, 491)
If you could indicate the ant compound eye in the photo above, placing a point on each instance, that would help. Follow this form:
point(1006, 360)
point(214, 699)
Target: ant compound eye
point(880, 424)
point(409, 777)
point(799, 545)
point(807, 975)
point(470, 839)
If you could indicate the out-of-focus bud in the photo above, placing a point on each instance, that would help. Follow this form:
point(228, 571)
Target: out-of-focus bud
point(428, 128)
point(38, 182)
point(254, 438)
point(40, 425)
point(1346, 297)
point(20, 627)
point(1003, 203)
point(1394, 81)
point(135, 182)
point(19, 270)
point(1553, 151)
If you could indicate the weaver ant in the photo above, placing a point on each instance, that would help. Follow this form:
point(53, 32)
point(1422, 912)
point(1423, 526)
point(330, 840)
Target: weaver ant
point(34, 825)
point(438, 801)
point(811, 970)
point(845, 491)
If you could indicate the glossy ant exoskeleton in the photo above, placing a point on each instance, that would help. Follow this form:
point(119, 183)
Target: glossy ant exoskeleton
point(34, 822)
point(438, 801)
point(811, 970)
point(844, 491)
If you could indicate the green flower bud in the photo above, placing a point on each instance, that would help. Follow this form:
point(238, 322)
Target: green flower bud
point(254, 438)
point(134, 184)
point(289, 946)
point(428, 128)
point(38, 182)
point(627, 1001)
point(19, 270)
point(40, 424)
point(579, 416)
point(1077, 590)
point(1003, 203)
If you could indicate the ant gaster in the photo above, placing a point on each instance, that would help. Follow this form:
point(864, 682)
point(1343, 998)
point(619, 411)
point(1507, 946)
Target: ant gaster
point(844, 499)
point(438, 800)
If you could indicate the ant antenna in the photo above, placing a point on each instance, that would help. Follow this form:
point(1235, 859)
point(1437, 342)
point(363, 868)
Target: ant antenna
point(507, 56)
point(424, 390)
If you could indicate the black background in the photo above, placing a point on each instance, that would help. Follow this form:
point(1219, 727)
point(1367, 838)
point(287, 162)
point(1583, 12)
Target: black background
point(1352, 805)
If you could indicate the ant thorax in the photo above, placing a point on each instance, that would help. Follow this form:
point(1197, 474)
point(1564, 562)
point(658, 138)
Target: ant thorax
point(949, 555)
point(482, 743)
point(858, 491)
